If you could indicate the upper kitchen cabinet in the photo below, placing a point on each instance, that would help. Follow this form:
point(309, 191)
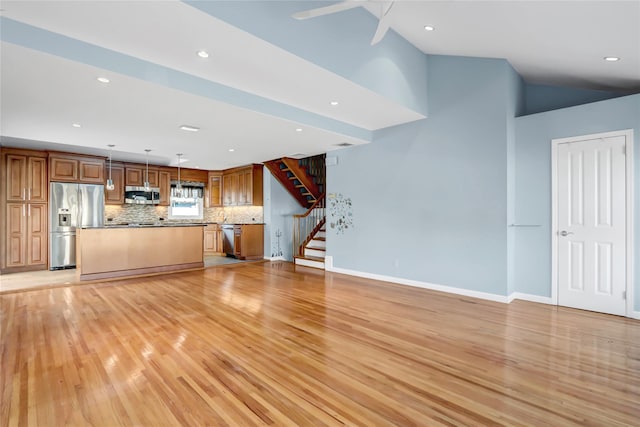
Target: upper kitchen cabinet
point(136, 174)
point(214, 190)
point(76, 168)
point(242, 186)
point(26, 179)
point(193, 175)
point(164, 183)
point(229, 188)
point(115, 196)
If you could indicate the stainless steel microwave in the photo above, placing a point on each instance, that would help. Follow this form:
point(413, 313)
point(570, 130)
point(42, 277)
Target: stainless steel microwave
point(142, 196)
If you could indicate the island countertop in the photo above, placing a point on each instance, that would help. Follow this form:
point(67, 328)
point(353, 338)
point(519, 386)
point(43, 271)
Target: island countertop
point(147, 225)
point(120, 251)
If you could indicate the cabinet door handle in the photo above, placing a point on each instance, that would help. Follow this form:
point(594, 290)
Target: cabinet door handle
point(24, 191)
point(29, 193)
point(29, 210)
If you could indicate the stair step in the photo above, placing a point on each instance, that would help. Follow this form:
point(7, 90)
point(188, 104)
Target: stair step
point(319, 253)
point(321, 238)
point(310, 261)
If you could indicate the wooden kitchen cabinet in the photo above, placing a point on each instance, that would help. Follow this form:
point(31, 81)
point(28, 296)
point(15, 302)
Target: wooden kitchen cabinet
point(75, 168)
point(26, 235)
point(214, 191)
point(115, 196)
point(229, 189)
point(164, 178)
point(243, 186)
point(26, 178)
point(135, 176)
point(23, 243)
point(91, 171)
point(212, 239)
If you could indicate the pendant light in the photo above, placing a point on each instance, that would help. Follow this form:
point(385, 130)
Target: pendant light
point(110, 185)
point(179, 185)
point(147, 187)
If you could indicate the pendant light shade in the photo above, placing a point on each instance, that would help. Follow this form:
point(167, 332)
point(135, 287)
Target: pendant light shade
point(147, 187)
point(110, 186)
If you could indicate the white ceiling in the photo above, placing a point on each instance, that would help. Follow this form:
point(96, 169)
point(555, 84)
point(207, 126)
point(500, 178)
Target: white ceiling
point(560, 42)
point(553, 42)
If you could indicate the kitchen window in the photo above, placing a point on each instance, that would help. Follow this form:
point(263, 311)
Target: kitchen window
point(188, 205)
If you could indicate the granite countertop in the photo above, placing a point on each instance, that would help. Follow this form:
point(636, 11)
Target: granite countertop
point(172, 224)
point(147, 225)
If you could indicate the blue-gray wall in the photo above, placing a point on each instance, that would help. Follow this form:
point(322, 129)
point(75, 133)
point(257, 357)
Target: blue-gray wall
point(540, 98)
point(533, 181)
point(430, 198)
point(279, 208)
point(433, 201)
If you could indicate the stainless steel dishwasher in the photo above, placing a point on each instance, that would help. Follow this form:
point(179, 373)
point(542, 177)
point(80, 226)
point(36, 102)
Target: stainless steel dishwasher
point(228, 239)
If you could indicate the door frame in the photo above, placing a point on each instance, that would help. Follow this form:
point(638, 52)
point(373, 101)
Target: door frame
point(629, 159)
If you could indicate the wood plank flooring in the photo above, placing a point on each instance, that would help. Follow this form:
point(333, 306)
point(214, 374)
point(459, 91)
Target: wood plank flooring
point(275, 344)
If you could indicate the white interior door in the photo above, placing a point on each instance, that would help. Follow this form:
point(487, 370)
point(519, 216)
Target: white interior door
point(591, 232)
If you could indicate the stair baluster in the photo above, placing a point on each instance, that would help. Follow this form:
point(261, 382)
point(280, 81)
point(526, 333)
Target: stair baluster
point(306, 225)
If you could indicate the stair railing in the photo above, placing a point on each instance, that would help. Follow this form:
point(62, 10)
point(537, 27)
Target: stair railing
point(306, 225)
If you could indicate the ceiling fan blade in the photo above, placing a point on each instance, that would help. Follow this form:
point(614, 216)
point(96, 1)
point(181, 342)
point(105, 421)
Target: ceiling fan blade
point(326, 10)
point(382, 29)
point(383, 23)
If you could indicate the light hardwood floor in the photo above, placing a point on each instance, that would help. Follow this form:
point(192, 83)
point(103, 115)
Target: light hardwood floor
point(46, 279)
point(274, 344)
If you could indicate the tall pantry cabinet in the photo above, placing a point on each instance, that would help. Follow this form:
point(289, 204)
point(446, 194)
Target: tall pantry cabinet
point(23, 200)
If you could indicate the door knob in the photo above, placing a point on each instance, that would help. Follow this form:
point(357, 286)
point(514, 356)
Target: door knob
point(565, 233)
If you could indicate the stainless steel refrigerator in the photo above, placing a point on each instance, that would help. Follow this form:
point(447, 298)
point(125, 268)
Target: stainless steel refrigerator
point(71, 206)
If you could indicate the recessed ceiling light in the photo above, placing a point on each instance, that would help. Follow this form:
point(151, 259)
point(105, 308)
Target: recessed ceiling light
point(611, 58)
point(189, 128)
point(429, 28)
point(334, 103)
point(76, 125)
point(232, 150)
point(298, 129)
point(103, 80)
point(202, 54)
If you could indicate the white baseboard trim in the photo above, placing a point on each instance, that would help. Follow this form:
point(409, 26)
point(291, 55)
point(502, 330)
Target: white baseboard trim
point(275, 258)
point(530, 297)
point(448, 289)
point(418, 284)
point(328, 262)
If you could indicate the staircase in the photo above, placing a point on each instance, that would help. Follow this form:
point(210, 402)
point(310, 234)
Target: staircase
point(314, 251)
point(309, 243)
point(303, 178)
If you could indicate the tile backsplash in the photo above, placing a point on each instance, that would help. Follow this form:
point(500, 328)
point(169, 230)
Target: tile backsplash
point(149, 213)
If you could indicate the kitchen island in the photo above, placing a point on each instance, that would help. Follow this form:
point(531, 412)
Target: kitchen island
point(121, 251)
